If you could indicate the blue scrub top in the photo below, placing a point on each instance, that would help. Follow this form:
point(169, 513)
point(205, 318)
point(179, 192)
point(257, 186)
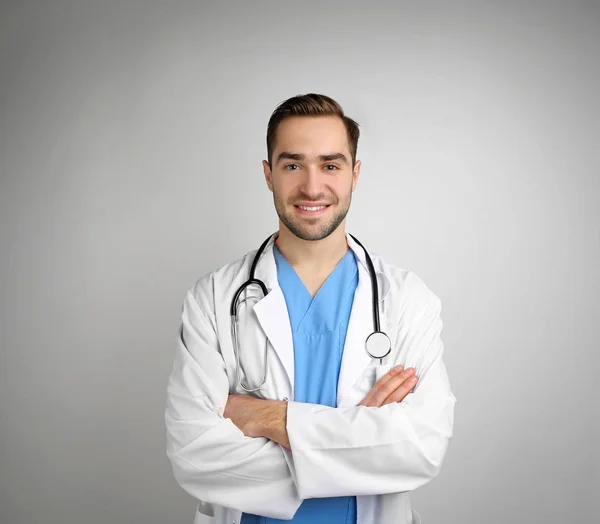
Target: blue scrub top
point(319, 327)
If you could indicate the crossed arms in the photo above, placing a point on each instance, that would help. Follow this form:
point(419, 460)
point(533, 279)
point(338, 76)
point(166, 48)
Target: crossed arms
point(268, 418)
point(295, 450)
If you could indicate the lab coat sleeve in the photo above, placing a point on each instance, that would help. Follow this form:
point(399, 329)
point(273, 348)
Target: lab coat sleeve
point(367, 450)
point(212, 459)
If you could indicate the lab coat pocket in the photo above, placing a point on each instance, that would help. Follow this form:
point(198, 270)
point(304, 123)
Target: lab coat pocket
point(363, 385)
point(372, 374)
point(381, 370)
point(367, 381)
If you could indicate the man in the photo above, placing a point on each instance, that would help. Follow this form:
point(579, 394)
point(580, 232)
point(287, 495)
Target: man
point(329, 434)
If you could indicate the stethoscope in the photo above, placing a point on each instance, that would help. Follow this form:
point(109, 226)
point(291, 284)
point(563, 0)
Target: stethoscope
point(377, 344)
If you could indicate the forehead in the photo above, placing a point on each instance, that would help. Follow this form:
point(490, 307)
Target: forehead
point(321, 133)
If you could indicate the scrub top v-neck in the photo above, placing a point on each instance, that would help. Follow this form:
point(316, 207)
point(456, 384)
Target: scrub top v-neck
point(319, 325)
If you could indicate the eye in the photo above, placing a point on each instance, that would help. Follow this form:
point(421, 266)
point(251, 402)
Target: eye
point(288, 166)
point(334, 168)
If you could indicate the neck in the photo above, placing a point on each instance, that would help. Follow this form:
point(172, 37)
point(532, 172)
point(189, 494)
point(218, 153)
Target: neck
point(312, 255)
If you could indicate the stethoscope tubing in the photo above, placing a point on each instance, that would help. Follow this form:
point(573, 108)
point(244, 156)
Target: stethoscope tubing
point(254, 281)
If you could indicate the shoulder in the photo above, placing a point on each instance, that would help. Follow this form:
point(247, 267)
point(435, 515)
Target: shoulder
point(210, 285)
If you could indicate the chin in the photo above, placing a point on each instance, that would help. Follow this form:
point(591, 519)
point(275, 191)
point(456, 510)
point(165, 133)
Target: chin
point(317, 232)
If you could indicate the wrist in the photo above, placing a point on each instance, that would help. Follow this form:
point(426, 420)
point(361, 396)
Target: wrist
point(271, 421)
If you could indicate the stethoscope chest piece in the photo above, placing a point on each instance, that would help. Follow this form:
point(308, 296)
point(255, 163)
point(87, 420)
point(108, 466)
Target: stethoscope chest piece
point(378, 345)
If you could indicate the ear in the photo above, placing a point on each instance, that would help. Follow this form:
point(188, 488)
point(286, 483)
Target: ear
point(268, 174)
point(355, 174)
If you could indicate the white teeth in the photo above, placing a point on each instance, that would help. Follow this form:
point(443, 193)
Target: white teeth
point(318, 208)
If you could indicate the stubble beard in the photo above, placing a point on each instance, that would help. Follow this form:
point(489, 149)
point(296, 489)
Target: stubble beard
point(306, 232)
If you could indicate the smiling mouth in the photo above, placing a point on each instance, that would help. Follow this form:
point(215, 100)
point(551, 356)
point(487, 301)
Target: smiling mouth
point(312, 208)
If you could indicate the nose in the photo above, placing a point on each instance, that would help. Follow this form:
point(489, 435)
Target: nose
point(312, 182)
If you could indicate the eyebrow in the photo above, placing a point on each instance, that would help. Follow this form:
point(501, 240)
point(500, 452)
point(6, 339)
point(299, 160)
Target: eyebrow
point(285, 155)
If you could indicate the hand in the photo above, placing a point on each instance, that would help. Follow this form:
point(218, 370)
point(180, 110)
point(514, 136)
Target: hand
point(241, 410)
point(392, 387)
point(259, 418)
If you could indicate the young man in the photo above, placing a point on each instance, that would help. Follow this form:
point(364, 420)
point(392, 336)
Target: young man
point(287, 416)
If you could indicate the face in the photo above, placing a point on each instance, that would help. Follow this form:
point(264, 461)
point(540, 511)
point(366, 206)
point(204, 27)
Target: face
point(311, 175)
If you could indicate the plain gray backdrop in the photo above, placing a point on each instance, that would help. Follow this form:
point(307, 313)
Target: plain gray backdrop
point(131, 140)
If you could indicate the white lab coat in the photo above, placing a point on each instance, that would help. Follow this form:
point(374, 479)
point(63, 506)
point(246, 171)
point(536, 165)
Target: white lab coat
point(377, 454)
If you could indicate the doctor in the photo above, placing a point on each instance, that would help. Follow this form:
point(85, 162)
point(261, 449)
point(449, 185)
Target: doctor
point(287, 417)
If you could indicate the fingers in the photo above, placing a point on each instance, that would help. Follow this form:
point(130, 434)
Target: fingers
point(383, 380)
point(397, 383)
point(401, 391)
point(392, 387)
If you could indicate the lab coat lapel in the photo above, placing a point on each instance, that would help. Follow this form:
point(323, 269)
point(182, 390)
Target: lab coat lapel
point(355, 358)
point(272, 313)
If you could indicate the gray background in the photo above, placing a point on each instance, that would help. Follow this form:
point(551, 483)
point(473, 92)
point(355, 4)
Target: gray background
point(131, 140)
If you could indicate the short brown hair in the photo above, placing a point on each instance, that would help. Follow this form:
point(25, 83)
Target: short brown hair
point(310, 104)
